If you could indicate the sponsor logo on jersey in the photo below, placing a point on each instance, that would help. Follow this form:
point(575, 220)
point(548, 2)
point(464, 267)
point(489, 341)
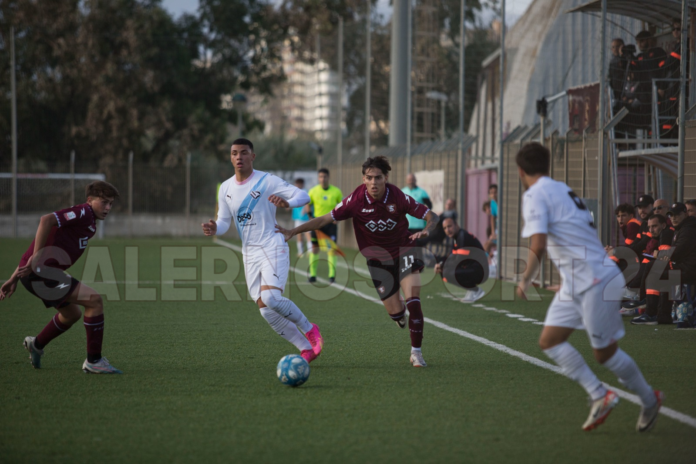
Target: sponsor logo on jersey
point(83, 242)
point(391, 208)
point(368, 210)
point(82, 212)
point(255, 194)
point(69, 215)
point(229, 197)
point(381, 225)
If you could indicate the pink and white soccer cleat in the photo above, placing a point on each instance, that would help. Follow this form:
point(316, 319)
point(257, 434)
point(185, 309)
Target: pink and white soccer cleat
point(315, 339)
point(308, 355)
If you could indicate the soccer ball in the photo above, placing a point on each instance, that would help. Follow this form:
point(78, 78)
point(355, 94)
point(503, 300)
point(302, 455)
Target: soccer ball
point(293, 370)
point(683, 312)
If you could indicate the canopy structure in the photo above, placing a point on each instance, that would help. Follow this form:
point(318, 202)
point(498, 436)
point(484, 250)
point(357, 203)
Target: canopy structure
point(664, 158)
point(656, 12)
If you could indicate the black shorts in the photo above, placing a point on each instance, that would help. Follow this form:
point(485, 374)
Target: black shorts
point(387, 274)
point(330, 230)
point(53, 293)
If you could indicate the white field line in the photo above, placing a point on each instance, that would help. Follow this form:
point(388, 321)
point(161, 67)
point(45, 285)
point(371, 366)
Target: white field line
point(669, 412)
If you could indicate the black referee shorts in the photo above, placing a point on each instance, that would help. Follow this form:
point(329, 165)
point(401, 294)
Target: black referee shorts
point(330, 230)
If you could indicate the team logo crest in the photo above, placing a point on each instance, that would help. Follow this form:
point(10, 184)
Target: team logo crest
point(69, 215)
point(391, 208)
point(255, 194)
point(381, 289)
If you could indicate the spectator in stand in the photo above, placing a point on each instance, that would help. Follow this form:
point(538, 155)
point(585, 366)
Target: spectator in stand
point(492, 241)
point(647, 65)
point(661, 207)
point(629, 225)
point(493, 197)
point(450, 209)
point(617, 70)
point(691, 207)
point(669, 91)
point(680, 256)
point(416, 225)
point(464, 272)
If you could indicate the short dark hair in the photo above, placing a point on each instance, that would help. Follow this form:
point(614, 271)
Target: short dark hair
point(625, 208)
point(486, 204)
point(690, 202)
point(493, 186)
point(241, 141)
point(299, 180)
point(379, 162)
point(617, 39)
point(644, 35)
point(534, 158)
point(101, 189)
point(323, 171)
point(659, 217)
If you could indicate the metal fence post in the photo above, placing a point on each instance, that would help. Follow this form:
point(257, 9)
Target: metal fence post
point(188, 191)
point(13, 86)
point(72, 177)
point(130, 194)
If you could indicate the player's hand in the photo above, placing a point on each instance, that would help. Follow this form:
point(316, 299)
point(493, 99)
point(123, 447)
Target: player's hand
point(521, 290)
point(7, 289)
point(25, 270)
point(209, 228)
point(287, 234)
point(279, 202)
point(417, 235)
point(438, 268)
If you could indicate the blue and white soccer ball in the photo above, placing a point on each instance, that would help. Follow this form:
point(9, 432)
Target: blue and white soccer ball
point(293, 370)
point(683, 311)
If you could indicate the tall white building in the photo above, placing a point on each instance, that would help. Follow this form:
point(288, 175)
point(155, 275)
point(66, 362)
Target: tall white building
point(306, 103)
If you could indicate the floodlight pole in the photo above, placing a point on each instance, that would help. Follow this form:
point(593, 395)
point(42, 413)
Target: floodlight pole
point(13, 85)
point(368, 78)
point(461, 154)
point(682, 103)
point(339, 134)
point(601, 156)
point(501, 158)
point(409, 67)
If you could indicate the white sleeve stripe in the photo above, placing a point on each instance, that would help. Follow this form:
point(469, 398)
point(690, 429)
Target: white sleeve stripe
point(332, 216)
point(57, 219)
point(426, 213)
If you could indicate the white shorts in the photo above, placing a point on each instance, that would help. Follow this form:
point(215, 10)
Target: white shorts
point(596, 310)
point(299, 222)
point(266, 266)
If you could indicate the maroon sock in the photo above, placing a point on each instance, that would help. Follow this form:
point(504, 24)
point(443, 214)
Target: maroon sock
point(95, 334)
point(415, 321)
point(51, 331)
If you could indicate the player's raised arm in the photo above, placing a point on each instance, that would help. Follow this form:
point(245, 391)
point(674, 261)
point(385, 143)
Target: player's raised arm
point(288, 196)
point(313, 224)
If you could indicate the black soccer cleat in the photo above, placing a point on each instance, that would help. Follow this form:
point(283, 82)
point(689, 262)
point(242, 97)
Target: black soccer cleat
point(332, 280)
point(312, 279)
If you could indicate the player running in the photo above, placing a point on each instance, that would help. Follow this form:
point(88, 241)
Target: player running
point(590, 293)
point(379, 212)
point(323, 198)
point(250, 198)
point(60, 240)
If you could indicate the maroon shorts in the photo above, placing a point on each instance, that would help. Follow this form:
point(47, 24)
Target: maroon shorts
point(53, 293)
point(387, 274)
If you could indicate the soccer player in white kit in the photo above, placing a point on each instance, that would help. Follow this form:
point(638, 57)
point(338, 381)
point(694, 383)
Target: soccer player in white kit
point(555, 219)
point(250, 199)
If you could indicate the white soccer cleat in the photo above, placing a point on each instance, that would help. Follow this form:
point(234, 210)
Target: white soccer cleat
point(34, 353)
point(600, 410)
point(648, 416)
point(630, 295)
point(417, 359)
point(100, 367)
point(473, 295)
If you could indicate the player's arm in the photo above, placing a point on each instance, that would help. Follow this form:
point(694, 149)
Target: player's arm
point(537, 248)
point(47, 222)
point(288, 196)
point(312, 224)
point(432, 221)
point(224, 218)
point(10, 285)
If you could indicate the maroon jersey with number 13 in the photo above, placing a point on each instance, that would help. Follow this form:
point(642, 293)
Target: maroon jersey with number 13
point(381, 227)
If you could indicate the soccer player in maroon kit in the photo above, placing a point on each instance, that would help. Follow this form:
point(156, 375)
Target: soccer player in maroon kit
point(379, 212)
point(60, 240)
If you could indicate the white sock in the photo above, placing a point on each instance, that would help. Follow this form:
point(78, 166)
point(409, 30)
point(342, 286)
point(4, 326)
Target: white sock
point(574, 366)
point(414, 350)
point(299, 248)
point(286, 329)
point(629, 374)
point(286, 308)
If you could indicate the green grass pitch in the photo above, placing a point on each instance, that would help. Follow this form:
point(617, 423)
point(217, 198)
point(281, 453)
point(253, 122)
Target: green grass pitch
point(200, 383)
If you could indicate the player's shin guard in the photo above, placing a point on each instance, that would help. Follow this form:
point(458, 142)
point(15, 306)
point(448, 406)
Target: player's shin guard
point(332, 263)
point(313, 264)
point(286, 308)
point(51, 331)
point(286, 329)
point(415, 321)
point(626, 369)
point(574, 366)
point(94, 326)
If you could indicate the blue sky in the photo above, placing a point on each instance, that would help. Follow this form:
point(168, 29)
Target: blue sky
point(514, 8)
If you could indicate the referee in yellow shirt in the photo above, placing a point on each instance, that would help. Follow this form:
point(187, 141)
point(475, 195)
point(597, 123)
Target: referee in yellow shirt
point(323, 198)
